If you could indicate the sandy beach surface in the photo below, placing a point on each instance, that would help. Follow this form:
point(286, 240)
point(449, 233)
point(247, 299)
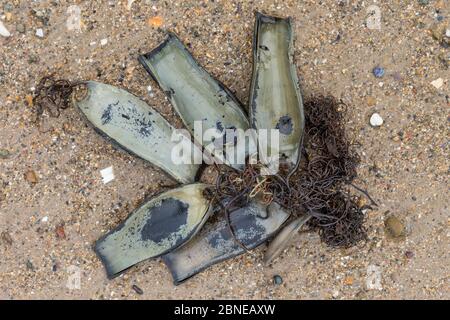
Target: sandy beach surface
point(54, 205)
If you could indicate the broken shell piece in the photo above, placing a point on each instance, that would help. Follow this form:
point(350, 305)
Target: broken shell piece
point(275, 98)
point(437, 83)
point(107, 175)
point(157, 227)
point(283, 238)
point(214, 243)
point(3, 31)
point(197, 96)
point(137, 128)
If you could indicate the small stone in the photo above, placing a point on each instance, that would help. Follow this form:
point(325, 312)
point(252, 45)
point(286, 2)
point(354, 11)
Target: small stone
point(409, 254)
point(33, 59)
point(378, 72)
point(8, 7)
point(4, 154)
point(60, 232)
point(42, 15)
point(20, 28)
point(348, 281)
point(394, 277)
point(437, 83)
point(362, 201)
point(447, 33)
point(376, 120)
point(29, 100)
point(438, 31)
point(107, 174)
point(137, 289)
point(371, 101)
point(104, 42)
point(423, 2)
point(30, 265)
point(156, 21)
point(31, 177)
point(6, 238)
point(40, 33)
point(44, 219)
point(277, 279)
point(394, 227)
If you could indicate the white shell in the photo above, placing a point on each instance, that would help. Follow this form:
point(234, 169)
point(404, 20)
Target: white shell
point(3, 31)
point(376, 120)
point(40, 33)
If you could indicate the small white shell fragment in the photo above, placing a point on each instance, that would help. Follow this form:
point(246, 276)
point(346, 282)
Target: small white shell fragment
point(130, 4)
point(3, 31)
point(376, 120)
point(150, 91)
point(447, 33)
point(44, 219)
point(103, 42)
point(107, 174)
point(40, 33)
point(373, 278)
point(437, 83)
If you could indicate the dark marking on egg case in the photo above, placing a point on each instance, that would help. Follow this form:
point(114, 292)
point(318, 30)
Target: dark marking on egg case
point(108, 113)
point(285, 125)
point(240, 222)
point(217, 244)
point(168, 211)
point(129, 112)
point(121, 147)
point(165, 219)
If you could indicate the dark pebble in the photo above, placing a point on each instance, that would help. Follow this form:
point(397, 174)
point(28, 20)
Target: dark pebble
point(137, 289)
point(6, 238)
point(277, 280)
point(4, 154)
point(30, 265)
point(378, 72)
point(409, 254)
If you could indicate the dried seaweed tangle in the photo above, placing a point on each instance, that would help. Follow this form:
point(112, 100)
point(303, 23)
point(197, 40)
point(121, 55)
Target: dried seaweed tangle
point(317, 186)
